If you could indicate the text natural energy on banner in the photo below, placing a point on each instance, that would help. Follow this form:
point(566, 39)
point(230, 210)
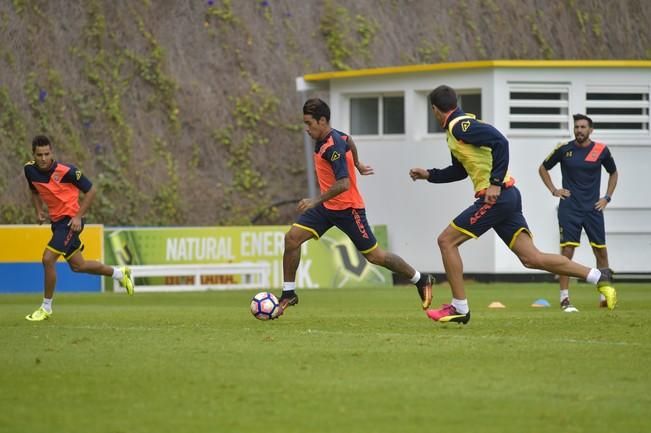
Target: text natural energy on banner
point(331, 262)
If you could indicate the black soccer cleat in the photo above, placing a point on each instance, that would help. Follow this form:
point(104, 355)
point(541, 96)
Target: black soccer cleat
point(567, 306)
point(287, 299)
point(424, 288)
point(606, 277)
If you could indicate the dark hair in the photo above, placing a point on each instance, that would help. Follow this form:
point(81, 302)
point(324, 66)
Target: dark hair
point(444, 98)
point(582, 117)
point(316, 108)
point(39, 141)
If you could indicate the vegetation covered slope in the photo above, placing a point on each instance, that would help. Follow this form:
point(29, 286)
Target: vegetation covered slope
point(186, 112)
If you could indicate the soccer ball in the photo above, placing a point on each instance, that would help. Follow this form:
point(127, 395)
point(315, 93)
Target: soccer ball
point(264, 306)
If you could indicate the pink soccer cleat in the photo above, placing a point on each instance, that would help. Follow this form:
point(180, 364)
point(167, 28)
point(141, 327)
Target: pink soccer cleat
point(447, 313)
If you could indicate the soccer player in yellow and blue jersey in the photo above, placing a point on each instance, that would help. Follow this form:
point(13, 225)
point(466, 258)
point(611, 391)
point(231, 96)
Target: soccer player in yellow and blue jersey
point(340, 204)
point(57, 185)
point(581, 206)
point(481, 152)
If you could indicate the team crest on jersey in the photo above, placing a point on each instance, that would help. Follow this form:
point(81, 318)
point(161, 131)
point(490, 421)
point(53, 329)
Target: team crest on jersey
point(335, 156)
point(78, 174)
point(55, 177)
point(568, 154)
point(465, 125)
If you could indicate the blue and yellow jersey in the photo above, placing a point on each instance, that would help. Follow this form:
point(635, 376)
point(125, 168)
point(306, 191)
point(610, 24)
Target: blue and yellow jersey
point(478, 150)
point(58, 187)
point(581, 170)
point(333, 160)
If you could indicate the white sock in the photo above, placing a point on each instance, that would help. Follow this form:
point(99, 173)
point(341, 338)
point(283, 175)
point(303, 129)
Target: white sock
point(415, 278)
point(461, 305)
point(565, 293)
point(117, 274)
point(47, 305)
point(593, 276)
point(287, 286)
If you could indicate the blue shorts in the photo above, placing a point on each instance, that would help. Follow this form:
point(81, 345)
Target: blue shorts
point(505, 217)
point(571, 221)
point(64, 241)
point(350, 221)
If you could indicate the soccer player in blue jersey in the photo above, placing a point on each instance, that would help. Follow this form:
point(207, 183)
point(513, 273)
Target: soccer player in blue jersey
point(57, 186)
point(481, 152)
point(339, 204)
point(581, 206)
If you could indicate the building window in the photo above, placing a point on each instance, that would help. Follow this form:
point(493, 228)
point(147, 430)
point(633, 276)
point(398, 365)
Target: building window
point(618, 109)
point(365, 118)
point(539, 108)
point(469, 101)
point(393, 110)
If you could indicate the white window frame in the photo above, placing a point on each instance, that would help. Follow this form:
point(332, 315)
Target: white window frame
point(624, 118)
point(380, 97)
point(538, 87)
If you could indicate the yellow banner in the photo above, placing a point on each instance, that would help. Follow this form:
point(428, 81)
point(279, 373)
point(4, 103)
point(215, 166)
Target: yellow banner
point(25, 243)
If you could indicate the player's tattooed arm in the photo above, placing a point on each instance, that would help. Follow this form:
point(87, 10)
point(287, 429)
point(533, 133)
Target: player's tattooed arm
point(340, 185)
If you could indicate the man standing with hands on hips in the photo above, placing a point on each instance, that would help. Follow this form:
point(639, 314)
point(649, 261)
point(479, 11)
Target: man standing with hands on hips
point(581, 207)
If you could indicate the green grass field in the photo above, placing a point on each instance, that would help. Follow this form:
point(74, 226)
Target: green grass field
point(341, 361)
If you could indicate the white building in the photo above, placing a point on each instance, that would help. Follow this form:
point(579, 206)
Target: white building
point(387, 111)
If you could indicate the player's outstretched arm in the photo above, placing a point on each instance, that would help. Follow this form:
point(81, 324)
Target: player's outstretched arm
point(418, 174)
point(363, 169)
point(451, 173)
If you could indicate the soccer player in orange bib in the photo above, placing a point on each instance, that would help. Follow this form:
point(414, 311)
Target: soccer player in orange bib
point(340, 204)
point(57, 185)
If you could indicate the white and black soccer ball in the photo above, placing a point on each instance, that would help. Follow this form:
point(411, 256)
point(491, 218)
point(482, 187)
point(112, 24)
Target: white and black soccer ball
point(264, 306)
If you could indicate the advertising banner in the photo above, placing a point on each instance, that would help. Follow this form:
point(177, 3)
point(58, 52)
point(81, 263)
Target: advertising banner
point(21, 270)
point(332, 261)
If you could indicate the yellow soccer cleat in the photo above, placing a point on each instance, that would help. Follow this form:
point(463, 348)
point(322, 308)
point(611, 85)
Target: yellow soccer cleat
point(127, 280)
point(611, 296)
point(38, 315)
